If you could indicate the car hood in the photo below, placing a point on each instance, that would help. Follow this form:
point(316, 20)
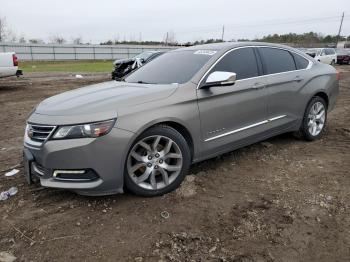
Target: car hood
point(97, 102)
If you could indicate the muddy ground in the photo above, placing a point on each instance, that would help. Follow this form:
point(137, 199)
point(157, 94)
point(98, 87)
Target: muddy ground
point(280, 200)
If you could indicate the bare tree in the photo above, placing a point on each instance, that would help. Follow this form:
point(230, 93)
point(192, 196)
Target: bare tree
point(21, 39)
point(57, 40)
point(2, 29)
point(77, 40)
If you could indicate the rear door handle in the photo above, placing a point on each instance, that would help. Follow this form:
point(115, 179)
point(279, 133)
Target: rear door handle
point(259, 85)
point(298, 79)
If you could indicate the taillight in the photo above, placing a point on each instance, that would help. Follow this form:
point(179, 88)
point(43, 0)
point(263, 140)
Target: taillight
point(15, 60)
point(338, 76)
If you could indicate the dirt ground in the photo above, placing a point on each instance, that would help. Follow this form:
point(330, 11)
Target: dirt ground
point(283, 199)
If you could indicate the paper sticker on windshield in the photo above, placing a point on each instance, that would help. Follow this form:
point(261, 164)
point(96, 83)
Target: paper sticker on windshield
point(204, 52)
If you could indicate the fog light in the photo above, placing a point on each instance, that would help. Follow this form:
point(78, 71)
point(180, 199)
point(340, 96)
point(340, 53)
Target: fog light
point(75, 175)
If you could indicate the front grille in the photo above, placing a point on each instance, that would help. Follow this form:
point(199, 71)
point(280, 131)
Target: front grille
point(36, 135)
point(39, 133)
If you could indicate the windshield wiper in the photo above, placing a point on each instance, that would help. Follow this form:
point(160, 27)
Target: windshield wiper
point(142, 82)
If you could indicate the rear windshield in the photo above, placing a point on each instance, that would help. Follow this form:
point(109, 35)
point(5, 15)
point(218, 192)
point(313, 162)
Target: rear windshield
point(172, 67)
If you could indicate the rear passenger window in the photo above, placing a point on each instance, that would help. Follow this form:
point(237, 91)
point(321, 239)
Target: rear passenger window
point(300, 61)
point(277, 60)
point(330, 51)
point(241, 61)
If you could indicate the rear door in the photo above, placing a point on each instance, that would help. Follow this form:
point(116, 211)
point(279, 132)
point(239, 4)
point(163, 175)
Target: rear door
point(323, 57)
point(286, 75)
point(229, 114)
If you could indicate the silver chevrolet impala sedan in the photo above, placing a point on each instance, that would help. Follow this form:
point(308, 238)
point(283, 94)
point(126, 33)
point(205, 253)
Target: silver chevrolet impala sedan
point(143, 133)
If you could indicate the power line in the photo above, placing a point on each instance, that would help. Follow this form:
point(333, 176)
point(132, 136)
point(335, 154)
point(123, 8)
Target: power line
point(271, 23)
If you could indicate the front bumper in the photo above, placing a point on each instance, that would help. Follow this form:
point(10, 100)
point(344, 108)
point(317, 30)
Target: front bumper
point(103, 159)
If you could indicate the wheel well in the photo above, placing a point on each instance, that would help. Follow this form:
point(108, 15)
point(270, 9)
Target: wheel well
point(183, 131)
point(324, 96)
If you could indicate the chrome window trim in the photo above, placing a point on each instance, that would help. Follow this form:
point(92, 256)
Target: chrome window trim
point(311, 63)
point(245, 128)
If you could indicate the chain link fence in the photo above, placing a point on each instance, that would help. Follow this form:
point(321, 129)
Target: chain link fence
point(44, 52)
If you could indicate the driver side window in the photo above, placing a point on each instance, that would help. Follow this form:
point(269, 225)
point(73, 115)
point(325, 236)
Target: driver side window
point(241, 61)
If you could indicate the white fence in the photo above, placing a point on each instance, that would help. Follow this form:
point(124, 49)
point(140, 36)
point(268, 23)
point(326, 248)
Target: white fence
point(36, 52)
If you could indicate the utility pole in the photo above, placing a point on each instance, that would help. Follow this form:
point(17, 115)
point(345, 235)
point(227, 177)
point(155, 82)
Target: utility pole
point(166, 39)
point(223, 32)
point(341, 24)
point(0, 30)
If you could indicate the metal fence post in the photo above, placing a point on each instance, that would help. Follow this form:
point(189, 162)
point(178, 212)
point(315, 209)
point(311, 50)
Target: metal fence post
point(93, 49)
point(111, 53)
point(31, 52)
point(54, 55)
point(75, 53)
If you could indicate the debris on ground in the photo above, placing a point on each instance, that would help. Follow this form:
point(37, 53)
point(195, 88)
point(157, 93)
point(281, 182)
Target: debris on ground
point(9, 193)
point(12, 172)
point(165, 214)
point(7, 257)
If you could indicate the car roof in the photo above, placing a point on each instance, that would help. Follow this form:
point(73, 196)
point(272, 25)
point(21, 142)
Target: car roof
point(228, 45)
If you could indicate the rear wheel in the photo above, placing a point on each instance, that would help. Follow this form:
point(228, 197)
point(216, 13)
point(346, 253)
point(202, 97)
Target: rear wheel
point(314, 120)
point(333, 62)
point(157, 162)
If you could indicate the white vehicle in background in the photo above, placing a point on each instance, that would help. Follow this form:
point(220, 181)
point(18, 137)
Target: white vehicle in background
point(9, 65)
point(323, 55)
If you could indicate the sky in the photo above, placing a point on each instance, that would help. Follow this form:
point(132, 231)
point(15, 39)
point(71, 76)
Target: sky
point(190, 20)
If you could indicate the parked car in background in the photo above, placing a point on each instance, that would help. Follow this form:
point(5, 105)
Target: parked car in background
point(9, 65)
point(186, 106)
point(343, 56)
point(323, 55)
point(122, 67)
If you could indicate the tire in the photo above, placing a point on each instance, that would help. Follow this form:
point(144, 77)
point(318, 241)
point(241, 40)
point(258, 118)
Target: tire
point(308, 125)
point(157, 162)
point(333, 63)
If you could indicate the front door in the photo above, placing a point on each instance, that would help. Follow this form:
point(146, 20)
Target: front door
point(229, 114)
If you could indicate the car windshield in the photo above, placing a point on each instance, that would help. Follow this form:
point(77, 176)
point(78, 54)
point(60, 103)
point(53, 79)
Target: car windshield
point(172, 67)
point(144, 55)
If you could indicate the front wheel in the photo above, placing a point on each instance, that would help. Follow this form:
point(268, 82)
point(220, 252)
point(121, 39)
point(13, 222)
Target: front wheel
point(157, 162)
point(314, 120)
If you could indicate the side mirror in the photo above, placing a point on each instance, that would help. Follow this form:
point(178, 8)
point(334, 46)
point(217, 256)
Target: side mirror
point(220, 78)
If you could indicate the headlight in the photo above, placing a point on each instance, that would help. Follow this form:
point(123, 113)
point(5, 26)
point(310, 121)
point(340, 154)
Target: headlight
point(84, 130)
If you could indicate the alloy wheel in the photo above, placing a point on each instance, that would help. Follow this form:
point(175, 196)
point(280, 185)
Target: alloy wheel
point(316, 118)
point(154, 162)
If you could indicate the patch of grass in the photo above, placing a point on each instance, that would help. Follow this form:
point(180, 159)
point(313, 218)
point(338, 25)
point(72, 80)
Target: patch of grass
point(66, 66)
